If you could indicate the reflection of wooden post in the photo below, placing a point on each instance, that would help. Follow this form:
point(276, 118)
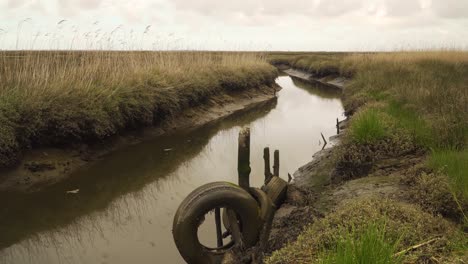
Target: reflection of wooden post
point(243, 161)
point(219, 234)
point(276, 163)
point(325, 141)
point(266, 158)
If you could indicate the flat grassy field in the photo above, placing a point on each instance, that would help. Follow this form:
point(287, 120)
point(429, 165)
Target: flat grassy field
point(401, 104)
point(55, 98)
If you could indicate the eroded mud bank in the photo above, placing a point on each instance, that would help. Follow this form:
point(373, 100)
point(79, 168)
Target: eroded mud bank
point(46, 166)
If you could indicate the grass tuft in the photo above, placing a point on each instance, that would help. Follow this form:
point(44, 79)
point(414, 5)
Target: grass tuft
point(368, 126)
point(393, 226)
point(368, 246)
point(455, 165)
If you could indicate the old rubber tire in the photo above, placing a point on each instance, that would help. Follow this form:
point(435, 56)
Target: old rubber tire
point(204, 199)
point(263, 201)
point(277, 189)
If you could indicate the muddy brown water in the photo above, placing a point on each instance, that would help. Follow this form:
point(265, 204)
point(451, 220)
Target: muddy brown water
point(124, 209)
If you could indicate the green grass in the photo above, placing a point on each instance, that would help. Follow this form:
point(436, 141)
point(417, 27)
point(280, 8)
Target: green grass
point(368, 126)
point(412, 122)
point(455, 165)
point(355, 228)
point(368, 246)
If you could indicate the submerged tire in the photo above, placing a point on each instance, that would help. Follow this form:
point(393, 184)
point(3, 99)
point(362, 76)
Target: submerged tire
point(277, 189)
point(190, 215)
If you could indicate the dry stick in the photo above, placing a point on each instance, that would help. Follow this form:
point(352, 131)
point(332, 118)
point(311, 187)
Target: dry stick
point(415, 247)
point(243, 161)
point(324, 140)
point(276, 163)
point(219, 234)
point(266, 158)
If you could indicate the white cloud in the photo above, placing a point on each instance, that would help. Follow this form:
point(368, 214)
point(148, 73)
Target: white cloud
point(277, 24)
point(80, 4)
point(402, 8)
point(450, 8)
point(15, 3)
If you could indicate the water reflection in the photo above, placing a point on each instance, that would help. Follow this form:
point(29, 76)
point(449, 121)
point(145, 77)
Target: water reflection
point(123, 212)
point(324, 92)
point(125, 171)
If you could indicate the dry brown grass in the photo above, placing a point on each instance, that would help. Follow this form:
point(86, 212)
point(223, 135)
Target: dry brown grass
point(57, 97)
point(38, 72)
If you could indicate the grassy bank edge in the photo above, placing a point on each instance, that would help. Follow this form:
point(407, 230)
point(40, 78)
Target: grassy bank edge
point(395, 124)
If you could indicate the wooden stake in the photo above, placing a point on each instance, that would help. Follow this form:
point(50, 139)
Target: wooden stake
point(276, 163)
point(337, 127)
point(243, 161)
point(266, 158)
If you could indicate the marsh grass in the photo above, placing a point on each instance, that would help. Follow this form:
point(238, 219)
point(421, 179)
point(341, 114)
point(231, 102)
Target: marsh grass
point(368, 126)
point(405, 103)
point(368, 246)
point(455, 165)
point(424, 94)
point(320, 63)
point(371, 229)
point(431, 84)
point(412, 122)
point(54, 98)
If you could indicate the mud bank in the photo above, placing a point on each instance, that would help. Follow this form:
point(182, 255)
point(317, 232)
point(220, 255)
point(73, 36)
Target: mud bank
point(331, 80)
point(308, 198)
point(46, 166)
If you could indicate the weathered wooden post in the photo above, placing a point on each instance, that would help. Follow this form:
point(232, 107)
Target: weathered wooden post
point(266, 158)
point(276, 163)
point(337, 126)
point(243, 161)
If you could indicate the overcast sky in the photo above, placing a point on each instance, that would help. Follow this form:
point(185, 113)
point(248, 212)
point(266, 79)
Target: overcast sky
point(234, 24)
